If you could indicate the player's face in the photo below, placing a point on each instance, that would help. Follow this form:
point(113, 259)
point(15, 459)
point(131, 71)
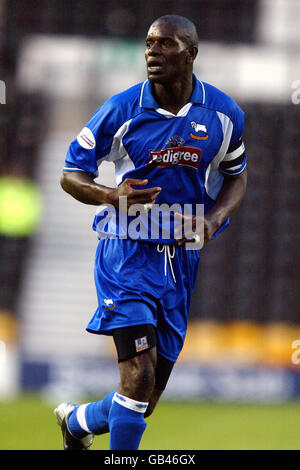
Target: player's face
point(166, 55)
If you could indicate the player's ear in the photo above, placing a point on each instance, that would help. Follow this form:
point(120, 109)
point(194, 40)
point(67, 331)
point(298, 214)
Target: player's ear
point(191, 54)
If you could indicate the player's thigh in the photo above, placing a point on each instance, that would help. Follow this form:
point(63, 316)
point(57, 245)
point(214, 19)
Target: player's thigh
point(136, 350)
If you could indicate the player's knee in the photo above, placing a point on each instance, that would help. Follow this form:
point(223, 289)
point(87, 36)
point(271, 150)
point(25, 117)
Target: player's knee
point(143, 377)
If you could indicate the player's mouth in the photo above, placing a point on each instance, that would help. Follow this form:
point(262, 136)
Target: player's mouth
point(154, 66)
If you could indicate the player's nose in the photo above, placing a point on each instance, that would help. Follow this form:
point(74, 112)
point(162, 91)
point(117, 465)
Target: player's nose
point(154, 48)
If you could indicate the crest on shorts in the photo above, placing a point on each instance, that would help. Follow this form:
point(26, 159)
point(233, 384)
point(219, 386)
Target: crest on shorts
point(109, 304)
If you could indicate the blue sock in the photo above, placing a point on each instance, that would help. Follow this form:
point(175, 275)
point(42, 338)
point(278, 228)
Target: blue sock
point(90, 418)
point(126, 423)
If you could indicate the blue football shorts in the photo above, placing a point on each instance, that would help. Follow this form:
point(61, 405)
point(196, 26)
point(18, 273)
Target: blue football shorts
point(145, 283)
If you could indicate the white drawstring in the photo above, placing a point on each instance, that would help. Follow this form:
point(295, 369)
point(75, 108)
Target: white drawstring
point(168, 256)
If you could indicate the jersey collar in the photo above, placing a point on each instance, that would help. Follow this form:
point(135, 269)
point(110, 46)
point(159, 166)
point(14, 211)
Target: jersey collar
point(147, 99)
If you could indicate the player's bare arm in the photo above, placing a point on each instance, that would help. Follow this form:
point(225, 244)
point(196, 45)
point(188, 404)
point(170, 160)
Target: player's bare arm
point(228, 200)
point(83, 188)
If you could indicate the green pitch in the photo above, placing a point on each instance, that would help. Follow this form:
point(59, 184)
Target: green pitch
point(29, 424)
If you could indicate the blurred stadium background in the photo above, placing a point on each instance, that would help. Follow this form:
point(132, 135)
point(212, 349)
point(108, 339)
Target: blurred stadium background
point(59, 62)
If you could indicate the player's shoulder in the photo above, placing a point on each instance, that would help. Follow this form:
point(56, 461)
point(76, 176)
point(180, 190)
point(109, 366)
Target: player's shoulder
point(119, 108)
point(220, 101)
point(122, 106)
point(128, 94)
point(127, 99)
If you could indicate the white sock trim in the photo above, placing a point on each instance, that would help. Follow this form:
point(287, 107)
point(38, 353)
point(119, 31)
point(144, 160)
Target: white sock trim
point(134, 405)
point(80, 415)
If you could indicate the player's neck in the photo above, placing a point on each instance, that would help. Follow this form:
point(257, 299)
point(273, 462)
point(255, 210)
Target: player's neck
point(173, 96)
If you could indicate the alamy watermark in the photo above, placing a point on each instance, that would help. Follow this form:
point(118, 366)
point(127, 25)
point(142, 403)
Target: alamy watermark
point(2, 92)
point(157, 222)
point(295, 96)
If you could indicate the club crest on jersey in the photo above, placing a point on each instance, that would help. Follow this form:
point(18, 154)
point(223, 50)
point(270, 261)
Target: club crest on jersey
point(176, 156)
point(200, 130)
point(86, 139)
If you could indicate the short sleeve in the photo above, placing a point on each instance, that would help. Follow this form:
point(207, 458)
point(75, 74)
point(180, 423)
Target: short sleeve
point(235, 160)
point(93, 143)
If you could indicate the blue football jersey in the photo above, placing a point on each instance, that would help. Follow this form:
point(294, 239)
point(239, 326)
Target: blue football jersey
point(186, 154)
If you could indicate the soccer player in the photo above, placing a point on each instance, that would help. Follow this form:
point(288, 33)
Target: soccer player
point(173, 139)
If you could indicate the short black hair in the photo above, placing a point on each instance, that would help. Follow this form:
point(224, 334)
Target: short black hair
point(186, 30)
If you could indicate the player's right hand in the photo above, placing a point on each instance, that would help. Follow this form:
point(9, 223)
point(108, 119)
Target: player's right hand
point(134, 196)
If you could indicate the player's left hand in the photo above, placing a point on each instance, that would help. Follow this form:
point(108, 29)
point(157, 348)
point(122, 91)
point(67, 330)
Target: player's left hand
point(200, 229)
